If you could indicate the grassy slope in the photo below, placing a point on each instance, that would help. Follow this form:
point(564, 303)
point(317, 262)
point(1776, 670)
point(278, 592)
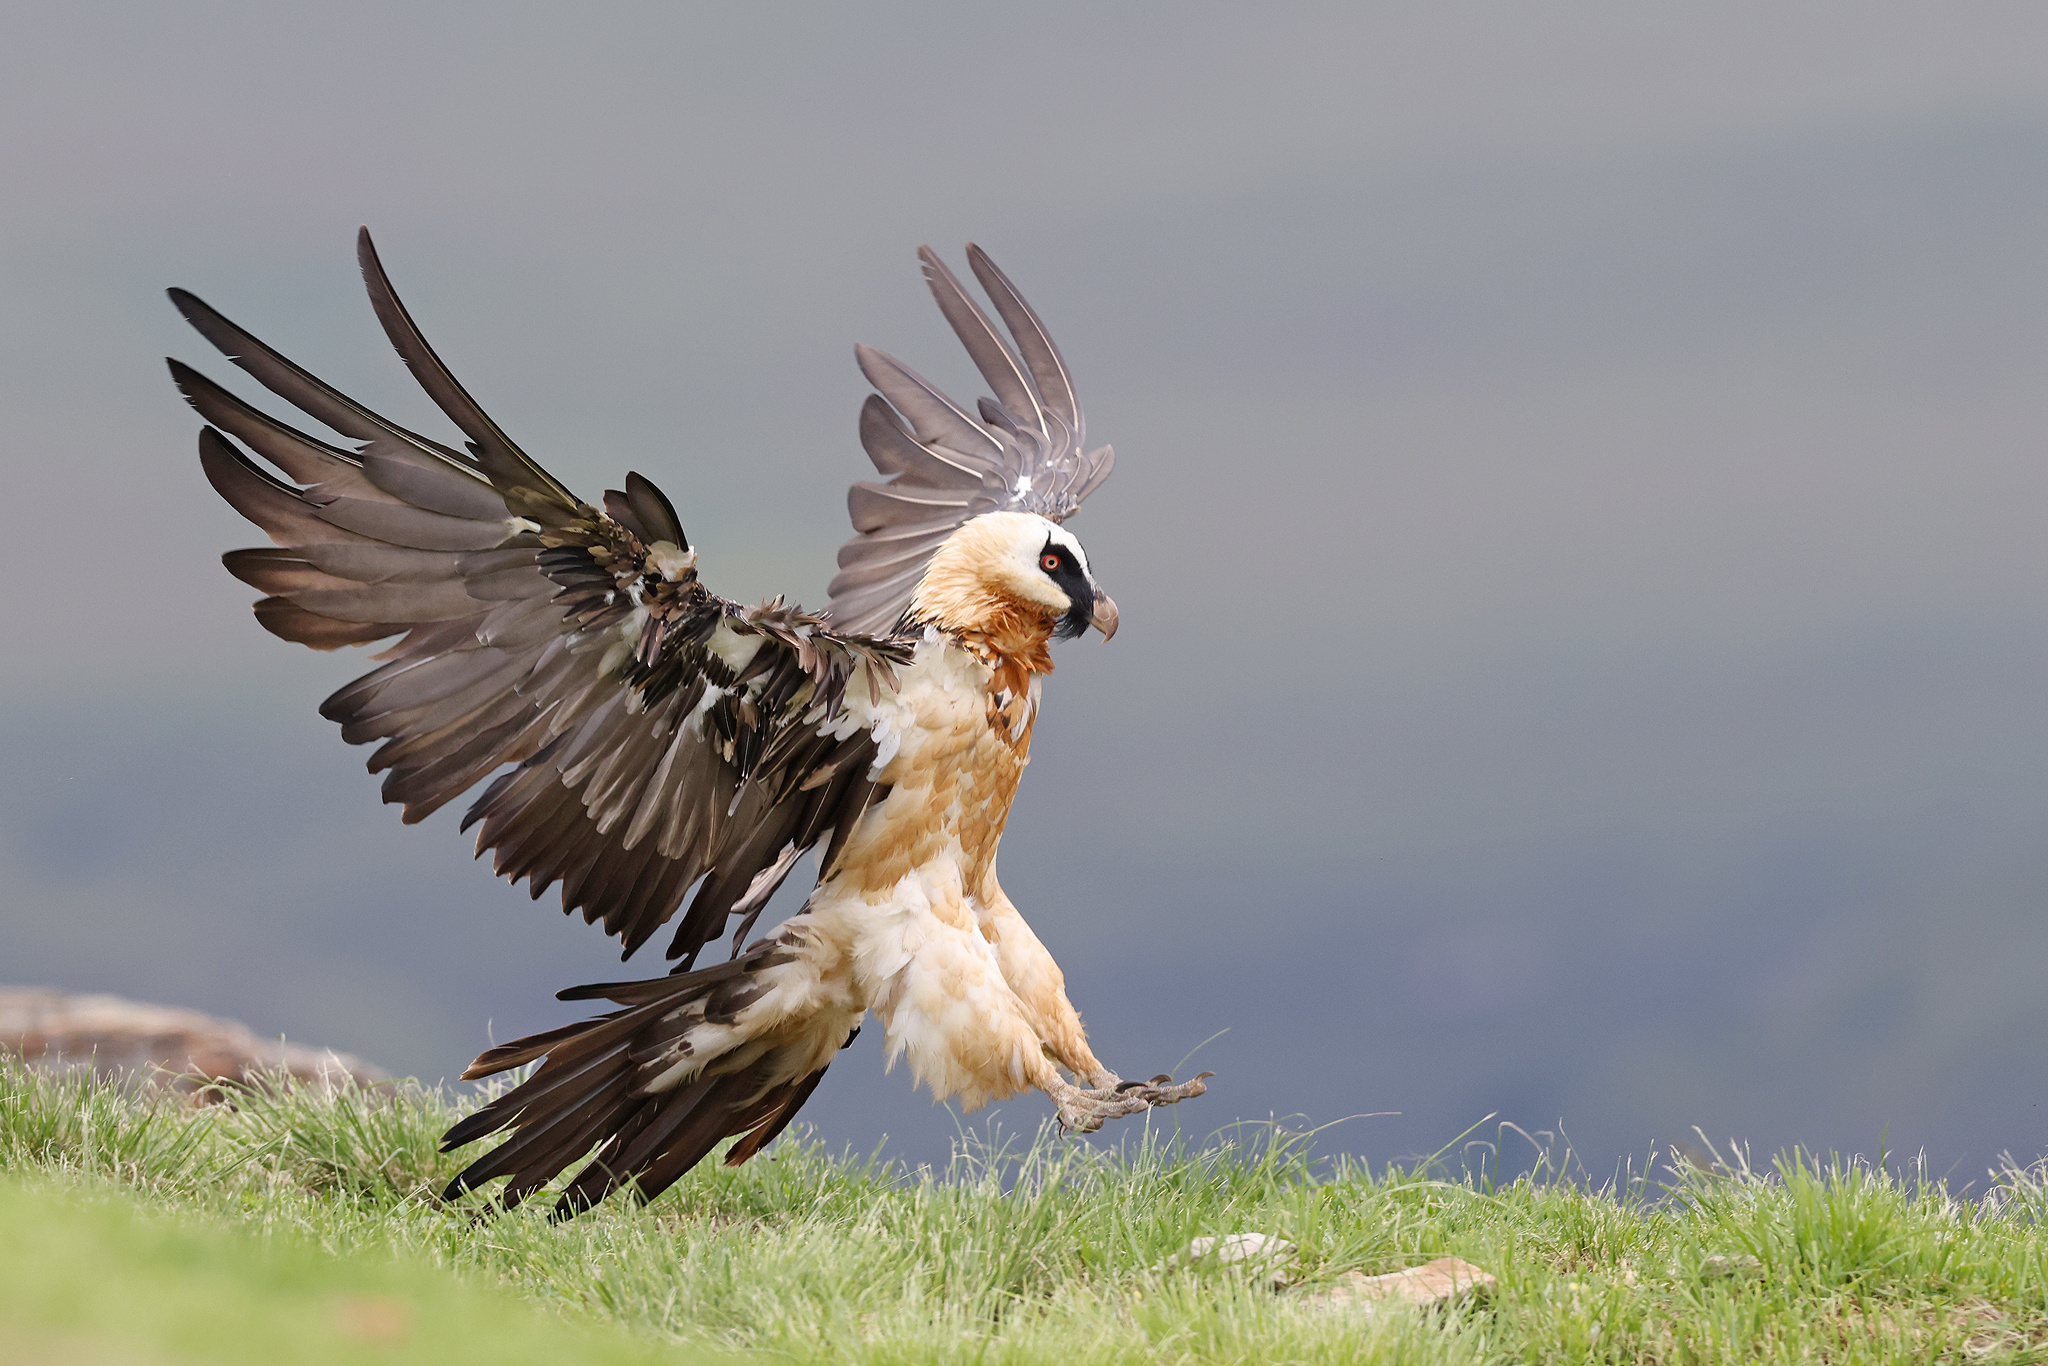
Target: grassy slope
point(296, 1210)
point(87, 1277)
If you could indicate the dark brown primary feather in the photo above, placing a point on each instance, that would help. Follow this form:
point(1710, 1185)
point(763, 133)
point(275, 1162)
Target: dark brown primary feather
point(529, 490)
point(514, 603)
point(1023, 450)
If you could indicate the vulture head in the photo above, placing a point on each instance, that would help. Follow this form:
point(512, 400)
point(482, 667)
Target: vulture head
point(1014, 578)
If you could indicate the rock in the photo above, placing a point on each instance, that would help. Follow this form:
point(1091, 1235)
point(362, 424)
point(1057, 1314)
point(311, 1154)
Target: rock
point(161, 1045)
point(1432, 1283)
point(1720, 1266)
point(1263, 1255)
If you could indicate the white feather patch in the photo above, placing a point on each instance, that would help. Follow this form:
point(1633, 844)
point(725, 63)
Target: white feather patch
point(620, 650)
point(670, 560)
point(730, 648)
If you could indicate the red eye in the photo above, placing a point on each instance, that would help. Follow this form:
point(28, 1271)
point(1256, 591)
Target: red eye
point(1049, 562)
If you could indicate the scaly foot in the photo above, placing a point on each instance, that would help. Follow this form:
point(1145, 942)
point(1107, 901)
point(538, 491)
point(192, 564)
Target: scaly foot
point(1084, 1110)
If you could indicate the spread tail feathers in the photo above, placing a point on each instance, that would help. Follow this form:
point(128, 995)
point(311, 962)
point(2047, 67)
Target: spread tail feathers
point(687, 1061)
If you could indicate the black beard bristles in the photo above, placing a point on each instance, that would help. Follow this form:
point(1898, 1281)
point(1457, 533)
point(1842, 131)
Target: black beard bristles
point(1074, 620)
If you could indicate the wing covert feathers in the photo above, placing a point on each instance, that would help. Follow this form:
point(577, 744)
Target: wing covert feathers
point(1023, 450)
point(659, 736)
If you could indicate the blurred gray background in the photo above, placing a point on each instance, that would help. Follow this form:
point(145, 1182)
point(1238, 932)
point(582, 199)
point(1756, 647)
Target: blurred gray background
point(1578, 519)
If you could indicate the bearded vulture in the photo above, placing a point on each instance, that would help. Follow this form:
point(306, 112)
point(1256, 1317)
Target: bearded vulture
point(655, 737)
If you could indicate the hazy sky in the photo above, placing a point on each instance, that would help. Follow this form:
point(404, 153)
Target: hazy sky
point(1576, 521)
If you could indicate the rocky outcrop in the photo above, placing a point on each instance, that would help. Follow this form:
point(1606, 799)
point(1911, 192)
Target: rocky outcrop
point(160, 1045)
point(1433, 1283)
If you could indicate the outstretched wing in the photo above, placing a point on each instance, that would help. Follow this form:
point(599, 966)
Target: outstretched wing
point(1021, 452)
point(661, 736)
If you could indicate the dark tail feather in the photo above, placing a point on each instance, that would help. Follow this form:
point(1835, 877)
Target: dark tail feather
point(792, 1099)
point(586, 1095)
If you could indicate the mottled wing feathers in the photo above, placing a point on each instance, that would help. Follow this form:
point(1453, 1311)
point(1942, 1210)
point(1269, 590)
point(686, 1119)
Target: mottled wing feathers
point(1021, 450)
point(660, 736)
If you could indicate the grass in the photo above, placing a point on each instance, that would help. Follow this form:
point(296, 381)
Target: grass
point(296, 1226)
point(90, 1278)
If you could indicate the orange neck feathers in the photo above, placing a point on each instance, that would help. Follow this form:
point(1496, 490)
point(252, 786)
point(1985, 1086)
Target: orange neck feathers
point(982, 587)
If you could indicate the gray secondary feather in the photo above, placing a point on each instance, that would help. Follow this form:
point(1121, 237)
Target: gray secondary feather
point(1021, 451)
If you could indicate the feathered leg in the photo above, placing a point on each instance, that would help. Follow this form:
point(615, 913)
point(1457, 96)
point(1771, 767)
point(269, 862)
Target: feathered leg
point(979, 1011)
point(1040, 988)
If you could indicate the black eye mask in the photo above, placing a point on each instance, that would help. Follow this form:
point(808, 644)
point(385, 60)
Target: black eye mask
point(1061, 565)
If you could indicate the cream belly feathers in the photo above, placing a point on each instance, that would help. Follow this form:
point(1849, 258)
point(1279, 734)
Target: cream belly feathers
point(650, 744)
point(912, 924)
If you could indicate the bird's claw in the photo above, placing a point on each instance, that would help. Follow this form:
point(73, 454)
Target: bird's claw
point(1083, 1111)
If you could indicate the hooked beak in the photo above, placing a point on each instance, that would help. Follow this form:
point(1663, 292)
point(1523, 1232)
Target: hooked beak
point(1103, 618)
